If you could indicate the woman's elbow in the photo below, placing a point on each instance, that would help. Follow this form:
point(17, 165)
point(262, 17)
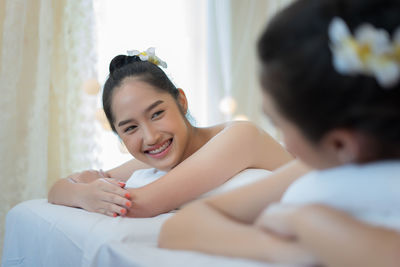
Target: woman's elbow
point(392, 249)
point(51, 195)
point(169, 232)
point(176, 231)
point(50, 198)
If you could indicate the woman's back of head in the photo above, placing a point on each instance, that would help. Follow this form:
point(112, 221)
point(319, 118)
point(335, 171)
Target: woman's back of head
point(298, 72)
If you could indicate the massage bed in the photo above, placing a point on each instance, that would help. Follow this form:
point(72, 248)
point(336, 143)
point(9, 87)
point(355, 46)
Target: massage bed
point(42, 234)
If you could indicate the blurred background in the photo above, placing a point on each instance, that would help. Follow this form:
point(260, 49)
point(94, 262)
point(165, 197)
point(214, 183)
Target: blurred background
point(54, 57)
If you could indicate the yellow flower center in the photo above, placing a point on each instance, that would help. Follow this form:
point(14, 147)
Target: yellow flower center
point(154, 61)
point(396, 52)
point(364, 51)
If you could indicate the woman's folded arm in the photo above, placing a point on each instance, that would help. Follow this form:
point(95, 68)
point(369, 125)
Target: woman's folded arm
point(225, 155)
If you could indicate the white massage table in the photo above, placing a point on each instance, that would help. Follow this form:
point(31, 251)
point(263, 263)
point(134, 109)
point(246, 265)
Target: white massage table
point(43, 234)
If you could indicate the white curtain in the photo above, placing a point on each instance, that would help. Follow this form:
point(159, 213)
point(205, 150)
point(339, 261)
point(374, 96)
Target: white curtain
point(233, 29)
point(47, 51)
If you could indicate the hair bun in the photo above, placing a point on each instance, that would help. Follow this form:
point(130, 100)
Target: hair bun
point(122, 60)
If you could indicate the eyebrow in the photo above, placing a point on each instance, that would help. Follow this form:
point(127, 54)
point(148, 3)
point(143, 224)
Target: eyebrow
point(148, 109)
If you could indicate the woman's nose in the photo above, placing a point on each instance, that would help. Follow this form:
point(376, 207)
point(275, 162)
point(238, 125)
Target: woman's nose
point(151, 135)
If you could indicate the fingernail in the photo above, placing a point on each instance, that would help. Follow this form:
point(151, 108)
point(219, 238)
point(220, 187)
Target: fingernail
point(121, 184)
point(127, 195)
point(115, 214)
point(123, 211)
point(128, 204)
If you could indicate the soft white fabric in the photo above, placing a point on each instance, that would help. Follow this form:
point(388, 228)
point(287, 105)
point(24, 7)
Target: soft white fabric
point(244, 177)
point(146, 176)
point(371, 192)
point(143, 177)
point(43, 234)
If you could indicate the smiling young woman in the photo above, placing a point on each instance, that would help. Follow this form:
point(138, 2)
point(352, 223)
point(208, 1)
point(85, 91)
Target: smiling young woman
point(148, 112)
point(152, 125)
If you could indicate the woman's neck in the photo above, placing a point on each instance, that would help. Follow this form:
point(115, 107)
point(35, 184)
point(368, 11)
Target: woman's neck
point(198, 137)
point(194, 141)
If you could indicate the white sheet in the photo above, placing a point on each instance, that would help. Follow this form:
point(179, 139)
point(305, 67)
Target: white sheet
point(42, 234)
point(145, 176)
point(370, 192)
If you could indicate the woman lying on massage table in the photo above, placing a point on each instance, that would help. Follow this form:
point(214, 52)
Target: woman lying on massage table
point(148, 112)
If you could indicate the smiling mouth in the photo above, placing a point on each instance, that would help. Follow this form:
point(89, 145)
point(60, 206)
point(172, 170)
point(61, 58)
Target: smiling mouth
point(160, 149)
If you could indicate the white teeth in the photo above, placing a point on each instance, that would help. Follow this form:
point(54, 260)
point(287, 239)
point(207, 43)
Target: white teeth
point(158, 150)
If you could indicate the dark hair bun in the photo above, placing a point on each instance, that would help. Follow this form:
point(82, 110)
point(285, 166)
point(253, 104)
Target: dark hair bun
point(122, 60)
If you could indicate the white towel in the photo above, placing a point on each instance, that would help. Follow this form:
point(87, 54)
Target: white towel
point(143, 177)
point(370, 192)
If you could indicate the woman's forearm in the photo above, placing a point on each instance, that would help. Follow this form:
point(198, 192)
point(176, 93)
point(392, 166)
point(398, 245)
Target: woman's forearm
point(212, 165)
point(199, 227)
point(66, 193)
point(340, 240)
point(180, 186)
point(245, 204)
point(69, 191)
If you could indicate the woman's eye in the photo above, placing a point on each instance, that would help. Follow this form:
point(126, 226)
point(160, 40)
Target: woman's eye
point(130, 128)
point(157, 114)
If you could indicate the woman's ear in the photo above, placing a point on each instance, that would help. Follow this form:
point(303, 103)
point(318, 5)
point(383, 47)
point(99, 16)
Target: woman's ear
point(182, 101)
point(342, 145)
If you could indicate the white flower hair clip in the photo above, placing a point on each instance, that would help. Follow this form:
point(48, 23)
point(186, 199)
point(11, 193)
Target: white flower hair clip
point(370, 52)
point(148, 55)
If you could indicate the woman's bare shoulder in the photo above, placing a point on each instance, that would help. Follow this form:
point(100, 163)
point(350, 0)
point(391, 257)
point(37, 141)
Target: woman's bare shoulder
point(231, 126)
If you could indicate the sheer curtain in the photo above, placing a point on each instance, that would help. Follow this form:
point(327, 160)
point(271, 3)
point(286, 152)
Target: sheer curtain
point(233, 29)
point(176, 28)
point(46, 53)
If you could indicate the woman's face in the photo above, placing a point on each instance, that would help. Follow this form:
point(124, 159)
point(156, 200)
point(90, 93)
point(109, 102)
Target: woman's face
point(150, 123)
point(296, 143)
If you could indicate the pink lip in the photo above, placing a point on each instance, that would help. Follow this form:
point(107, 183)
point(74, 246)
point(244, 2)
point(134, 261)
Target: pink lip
point(162, 153)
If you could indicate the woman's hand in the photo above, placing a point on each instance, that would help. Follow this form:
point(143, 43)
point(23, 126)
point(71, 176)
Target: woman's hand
point(93, 191)
point(106, 196)
point(87, 176)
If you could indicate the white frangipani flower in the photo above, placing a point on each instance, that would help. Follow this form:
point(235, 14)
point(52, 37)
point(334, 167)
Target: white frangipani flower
point(142, 55)
point(396, 43)
point(370, 52)
point(345, 59)
point(338, 31)
point(378, 40)
point(148, 55)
